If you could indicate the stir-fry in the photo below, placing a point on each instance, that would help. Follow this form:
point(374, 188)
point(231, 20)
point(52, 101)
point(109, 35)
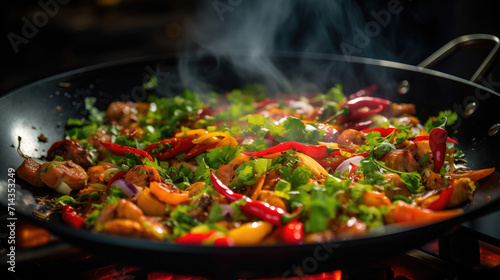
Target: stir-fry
point(243, 169)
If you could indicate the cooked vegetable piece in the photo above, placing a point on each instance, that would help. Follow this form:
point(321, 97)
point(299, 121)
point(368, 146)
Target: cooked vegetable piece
point(168, 193)
point(63, 176)
point(30, 171)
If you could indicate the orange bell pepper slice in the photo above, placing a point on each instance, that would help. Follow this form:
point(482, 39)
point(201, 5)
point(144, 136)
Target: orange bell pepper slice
point(473, 175)
point(167, 194)
point(404, 213)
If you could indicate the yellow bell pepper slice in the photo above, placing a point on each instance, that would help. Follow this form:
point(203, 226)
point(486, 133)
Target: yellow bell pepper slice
point(210, 137)
point(250, 234)
point(150, 205)
point(192, 133)
point(316, 169)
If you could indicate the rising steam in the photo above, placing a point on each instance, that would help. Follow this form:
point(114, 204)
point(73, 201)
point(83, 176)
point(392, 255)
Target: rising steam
point(254, 29)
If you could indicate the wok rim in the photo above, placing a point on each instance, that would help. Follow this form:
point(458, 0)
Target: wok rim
point(282, 54)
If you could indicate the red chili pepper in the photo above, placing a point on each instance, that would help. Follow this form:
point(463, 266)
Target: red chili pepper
point(198, 149)
point(384, 132)
point(204, 239)
point(367, 91)
point(443, 199)
point(123, 150)
point(119, 175)
point(363, 124)
point(317, 151)
point(259, 209)
point(437, 143)
point(70, 217)
point(426, 137)
point(179, 145)
point(293, 233)
point(351, 172)
point(356, 108)
point(364, 154)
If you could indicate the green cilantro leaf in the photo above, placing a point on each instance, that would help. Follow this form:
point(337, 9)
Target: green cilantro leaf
point(221, 155)
point(282, 189)
point(434, 122)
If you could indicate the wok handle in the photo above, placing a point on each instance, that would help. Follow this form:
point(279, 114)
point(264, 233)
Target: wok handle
point(465, 41)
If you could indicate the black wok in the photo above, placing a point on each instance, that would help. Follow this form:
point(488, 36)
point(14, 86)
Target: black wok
point(44, 106)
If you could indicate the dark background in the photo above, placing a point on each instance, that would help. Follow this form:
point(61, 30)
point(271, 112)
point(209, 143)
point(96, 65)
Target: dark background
point(84, 33)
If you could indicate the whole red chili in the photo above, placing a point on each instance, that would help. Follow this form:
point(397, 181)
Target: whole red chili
point(443, 199)
point(70, 216)
point(179, 145)
point(357, 108)
point(293, 233)
point(437, 143)
point(259, 209)
point(123, 150)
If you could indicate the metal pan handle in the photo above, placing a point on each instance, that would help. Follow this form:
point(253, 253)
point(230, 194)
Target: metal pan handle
point(462, 41)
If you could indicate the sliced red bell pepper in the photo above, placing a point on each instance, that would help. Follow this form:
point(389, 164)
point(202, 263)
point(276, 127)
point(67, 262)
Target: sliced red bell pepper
point(384, 132)
point(207, 238)
point(123, 150)
point(293, 233)
point(356, 108)
point(339, 151)
point(443, 199)
point(179, 145)
point(426, 137)
point(259, 209)
point(70, 216)
point(364, 154)
point(351, 172)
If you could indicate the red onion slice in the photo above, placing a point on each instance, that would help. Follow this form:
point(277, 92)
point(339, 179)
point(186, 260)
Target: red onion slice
point(127, 188)
point(346, 164)
point(227, 210)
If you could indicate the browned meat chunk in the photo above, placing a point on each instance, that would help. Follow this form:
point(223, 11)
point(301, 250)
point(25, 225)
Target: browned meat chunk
point(400, 160)
point(69, 150)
